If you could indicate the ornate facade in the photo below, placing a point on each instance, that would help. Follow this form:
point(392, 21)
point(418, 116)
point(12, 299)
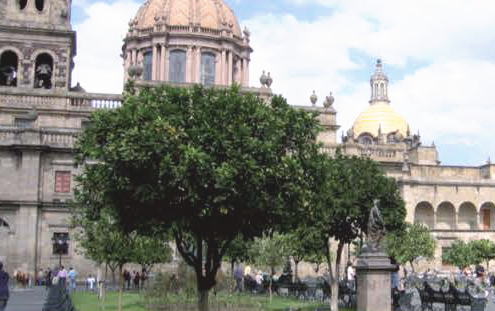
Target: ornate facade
point(182, 43)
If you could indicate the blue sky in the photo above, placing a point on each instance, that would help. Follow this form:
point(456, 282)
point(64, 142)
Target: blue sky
point(439, 56)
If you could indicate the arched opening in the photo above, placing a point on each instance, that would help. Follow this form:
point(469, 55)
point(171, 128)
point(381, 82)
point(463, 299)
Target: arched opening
point(8, 68)
point(207, 68)
point(365, 139)
point(468, 218)
point(487, 216)
point(43, 71)
point(40, 4)
point(445, 216)
point(382, 90)
point(424, 214)
point(147, 65)
point(22, 4)
point(177, 66)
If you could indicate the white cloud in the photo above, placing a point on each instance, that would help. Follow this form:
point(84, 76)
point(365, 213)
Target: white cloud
point(99, 66)
point(449, 98)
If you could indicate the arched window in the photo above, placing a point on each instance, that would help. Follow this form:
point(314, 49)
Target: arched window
point(8, 68)
point(177, 66)
point(445, 216)
point(208, 68)
point(22, 4)
point(382, 90)
point(148, 65)
point(4, 224)
point(487, 216)
point(43, 71)
point(40, 4)
point(468, 218)
point(365, 139)
point(423, 214)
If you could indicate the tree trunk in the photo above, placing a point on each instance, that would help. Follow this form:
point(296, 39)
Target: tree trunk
point(296, 275)
point(232, 263)
point(203, 300)
point(121, 288)
point(335, 282)
point(412, 266)
point(330, 274)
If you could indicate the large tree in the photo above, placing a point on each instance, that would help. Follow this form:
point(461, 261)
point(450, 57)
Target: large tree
point(207, 163)
point(345, 188)
point(414, 242)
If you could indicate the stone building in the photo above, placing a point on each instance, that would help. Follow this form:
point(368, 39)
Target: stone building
point(181, 43)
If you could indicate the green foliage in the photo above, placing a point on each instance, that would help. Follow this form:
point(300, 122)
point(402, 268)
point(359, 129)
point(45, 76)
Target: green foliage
point(269, 251)
point(408, 245)
point(483, 251)
point(190, 159)
point(150, 250)
point(238, 250)
point(460, 254)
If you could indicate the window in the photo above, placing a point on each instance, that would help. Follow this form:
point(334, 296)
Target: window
point(62, 181)
point(60, 242)
point(148, 65)
point(22, 4)
point(39, 4)
point(8, 68)
point(177, 66)
point(23, 123)
point(365, 139)
point(208, 68)
point(43, 71)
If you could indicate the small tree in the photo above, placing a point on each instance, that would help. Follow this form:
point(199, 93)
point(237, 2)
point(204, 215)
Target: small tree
point(148, 251)
point(484, 251)
point(238, 251)
point(271, 252)
point(460, 254)
point(408, 245)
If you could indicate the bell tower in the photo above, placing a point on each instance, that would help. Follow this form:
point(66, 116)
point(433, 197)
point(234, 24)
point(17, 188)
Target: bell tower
point(379, 85)
point(37, 44)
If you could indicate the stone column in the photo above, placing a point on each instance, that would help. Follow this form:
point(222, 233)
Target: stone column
point(189, 60)
point(134, 57)
point(374, 282)
point(154, 70)
point(198, 65)
point(222, 67)
point(230, 70)
point(163, 63)
point(218, 69)
point(246, 72)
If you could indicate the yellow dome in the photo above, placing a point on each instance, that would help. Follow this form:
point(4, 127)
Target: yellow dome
point(379, 115)
point(212, 14)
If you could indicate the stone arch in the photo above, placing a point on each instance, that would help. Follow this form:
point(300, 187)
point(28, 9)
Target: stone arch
point(487, 216)
point(9, 67)
point(365, 139)
point(467, 217)
point(44, 71)
point(445, 216)
point(424, 214)
point(22, 4)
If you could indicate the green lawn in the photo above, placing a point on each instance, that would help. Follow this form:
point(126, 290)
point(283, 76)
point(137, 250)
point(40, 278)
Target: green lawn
point(85, 301)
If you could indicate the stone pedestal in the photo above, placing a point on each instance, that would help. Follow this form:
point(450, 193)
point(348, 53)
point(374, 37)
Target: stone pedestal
point(373, 271)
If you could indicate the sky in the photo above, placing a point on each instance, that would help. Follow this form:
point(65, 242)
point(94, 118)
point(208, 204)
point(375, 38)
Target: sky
point(439, 57)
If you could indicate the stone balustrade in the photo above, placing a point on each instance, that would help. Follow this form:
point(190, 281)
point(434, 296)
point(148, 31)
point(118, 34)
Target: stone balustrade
point(18, 97)
point(37, 137)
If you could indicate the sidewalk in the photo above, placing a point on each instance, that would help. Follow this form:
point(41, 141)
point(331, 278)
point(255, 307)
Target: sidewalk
point(31, 299)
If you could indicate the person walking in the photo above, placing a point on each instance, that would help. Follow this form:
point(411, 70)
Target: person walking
point(4, 288)
point(72, 279)
point(62, 276)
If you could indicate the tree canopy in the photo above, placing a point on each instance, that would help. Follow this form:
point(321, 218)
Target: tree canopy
point(414, 242)
point(190, 159)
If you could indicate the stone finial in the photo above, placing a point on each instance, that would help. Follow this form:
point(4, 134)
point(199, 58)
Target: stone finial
point(488, 161)
point(246, 32)
point(313, 98)
point(263, 79)
point(329, 100)
point(269, 81)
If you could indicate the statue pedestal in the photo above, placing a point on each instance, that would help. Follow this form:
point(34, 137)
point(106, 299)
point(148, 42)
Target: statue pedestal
point(373, 271)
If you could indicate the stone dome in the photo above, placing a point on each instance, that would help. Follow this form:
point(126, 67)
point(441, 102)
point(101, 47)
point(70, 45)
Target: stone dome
point(209, 14)
point(381, 116)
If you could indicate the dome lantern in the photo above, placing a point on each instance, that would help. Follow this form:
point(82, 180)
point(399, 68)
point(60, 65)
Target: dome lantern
point(379, 85)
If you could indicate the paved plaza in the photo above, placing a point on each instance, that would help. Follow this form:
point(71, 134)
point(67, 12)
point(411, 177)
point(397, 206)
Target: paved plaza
point(31, 299)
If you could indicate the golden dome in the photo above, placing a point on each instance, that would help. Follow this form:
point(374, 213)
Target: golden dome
point(379, 115)
point(212, 14)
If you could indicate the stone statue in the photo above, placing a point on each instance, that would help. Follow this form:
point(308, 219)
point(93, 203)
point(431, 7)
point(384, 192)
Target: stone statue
point(376, 230)
point(43, 77)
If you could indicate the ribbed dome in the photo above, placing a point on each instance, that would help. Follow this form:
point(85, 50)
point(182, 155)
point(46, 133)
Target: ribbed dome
point(213, 14)
point(379, 115)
